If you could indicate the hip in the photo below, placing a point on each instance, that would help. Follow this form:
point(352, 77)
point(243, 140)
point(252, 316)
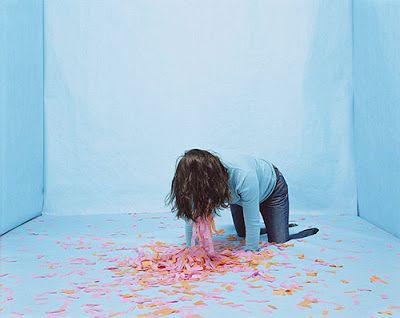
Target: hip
point(281, 187)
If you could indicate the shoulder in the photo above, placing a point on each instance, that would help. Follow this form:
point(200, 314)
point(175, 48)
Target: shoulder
point(244, 180)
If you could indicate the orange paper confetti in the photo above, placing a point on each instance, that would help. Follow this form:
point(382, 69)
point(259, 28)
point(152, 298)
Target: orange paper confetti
point(312, 274)
point(374, 279)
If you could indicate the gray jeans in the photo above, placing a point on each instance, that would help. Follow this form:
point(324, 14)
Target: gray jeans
point(275, 213)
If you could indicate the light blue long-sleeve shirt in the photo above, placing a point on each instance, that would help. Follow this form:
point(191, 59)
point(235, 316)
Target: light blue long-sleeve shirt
point(251, 181)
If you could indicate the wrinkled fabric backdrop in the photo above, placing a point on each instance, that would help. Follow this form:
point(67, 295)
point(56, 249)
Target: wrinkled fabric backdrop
point(130, 85)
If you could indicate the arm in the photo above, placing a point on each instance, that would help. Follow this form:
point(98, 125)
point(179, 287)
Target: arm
point(188, 233)
point(251, 211)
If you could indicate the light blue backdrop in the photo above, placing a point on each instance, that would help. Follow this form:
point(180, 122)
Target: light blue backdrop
point(377, 111)
point(21, 111)
point(130, 85)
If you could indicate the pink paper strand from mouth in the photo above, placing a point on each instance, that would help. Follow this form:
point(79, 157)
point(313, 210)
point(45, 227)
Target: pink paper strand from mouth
point(202, 233)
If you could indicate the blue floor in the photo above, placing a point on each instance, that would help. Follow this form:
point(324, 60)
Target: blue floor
point(60, 267)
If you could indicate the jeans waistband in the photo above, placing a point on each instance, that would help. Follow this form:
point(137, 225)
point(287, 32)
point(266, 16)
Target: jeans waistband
point(276, 170)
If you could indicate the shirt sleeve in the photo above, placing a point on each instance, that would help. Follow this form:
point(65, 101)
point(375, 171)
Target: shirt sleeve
point(188, 233)
point(249, 195)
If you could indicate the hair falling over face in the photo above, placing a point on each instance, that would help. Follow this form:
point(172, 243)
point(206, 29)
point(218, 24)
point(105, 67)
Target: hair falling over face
point(200, 185)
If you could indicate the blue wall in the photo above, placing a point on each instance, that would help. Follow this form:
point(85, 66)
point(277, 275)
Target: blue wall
point(377, 111)
point(21, 111)
point(129, 87)
point(262, 77)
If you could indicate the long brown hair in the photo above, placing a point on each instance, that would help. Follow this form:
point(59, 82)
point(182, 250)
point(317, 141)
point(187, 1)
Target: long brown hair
point(200, 185)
